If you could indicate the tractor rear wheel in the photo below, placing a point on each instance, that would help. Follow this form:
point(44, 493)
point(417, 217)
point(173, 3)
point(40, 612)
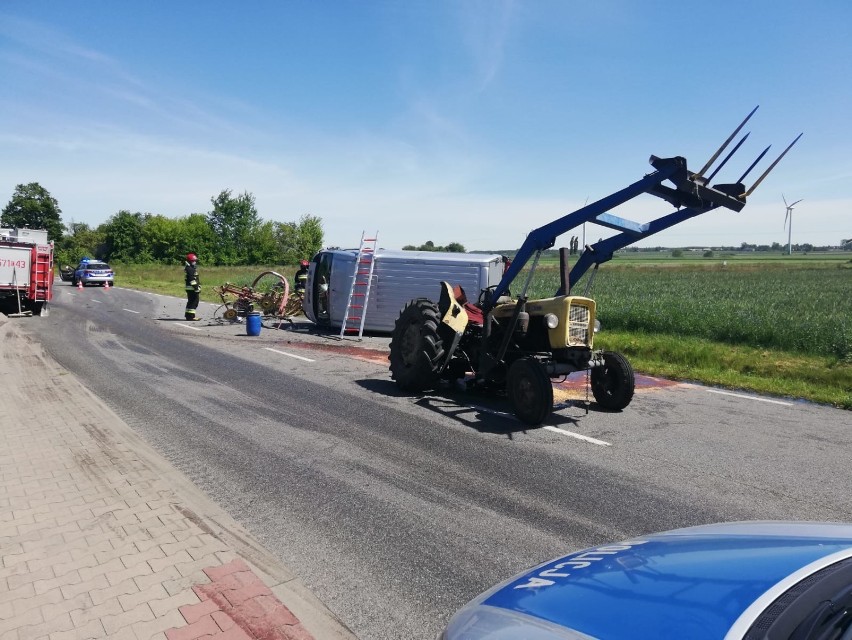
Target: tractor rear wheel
point(614, 382)
point(530, 391)
point(416, 348)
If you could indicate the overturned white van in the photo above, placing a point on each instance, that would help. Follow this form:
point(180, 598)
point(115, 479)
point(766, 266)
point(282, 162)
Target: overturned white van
point(398, 276)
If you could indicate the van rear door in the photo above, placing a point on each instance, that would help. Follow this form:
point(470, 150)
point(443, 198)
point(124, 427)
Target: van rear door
point(318, 295)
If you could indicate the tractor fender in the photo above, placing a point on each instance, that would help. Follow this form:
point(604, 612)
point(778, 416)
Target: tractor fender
point(451, 312)
point(454, 321)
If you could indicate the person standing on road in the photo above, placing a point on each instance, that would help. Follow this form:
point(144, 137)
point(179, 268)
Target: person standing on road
point(302, 277)
point(193, 286)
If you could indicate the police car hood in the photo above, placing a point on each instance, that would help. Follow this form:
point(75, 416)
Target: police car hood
point(688, 583)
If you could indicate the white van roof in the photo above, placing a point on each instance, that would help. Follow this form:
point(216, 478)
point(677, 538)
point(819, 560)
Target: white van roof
point(397, 255)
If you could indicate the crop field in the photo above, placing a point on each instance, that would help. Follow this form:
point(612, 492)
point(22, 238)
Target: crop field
point(801, 307)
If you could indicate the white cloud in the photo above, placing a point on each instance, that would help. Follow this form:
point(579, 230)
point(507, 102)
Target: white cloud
point(486, 27)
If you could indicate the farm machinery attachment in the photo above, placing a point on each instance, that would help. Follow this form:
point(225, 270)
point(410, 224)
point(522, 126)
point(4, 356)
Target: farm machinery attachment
point(268, 293)
point(520, 344)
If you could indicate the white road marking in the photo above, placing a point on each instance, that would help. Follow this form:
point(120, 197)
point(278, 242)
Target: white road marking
point(189, 326)
point(291, 355)
point(744, 397)
point(130, 311)
point(579, 436)
point(563, 432)
point(98, 301)
point(493, 412)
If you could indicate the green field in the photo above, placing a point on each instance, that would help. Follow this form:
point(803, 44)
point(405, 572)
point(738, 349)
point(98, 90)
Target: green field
point(802, 306)
point(772, 324)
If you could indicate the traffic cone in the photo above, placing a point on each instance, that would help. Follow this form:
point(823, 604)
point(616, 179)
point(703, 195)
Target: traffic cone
point(106, 284)
point(79, 284)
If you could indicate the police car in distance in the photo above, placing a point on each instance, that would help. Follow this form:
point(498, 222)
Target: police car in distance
point(91, 271)
point(743, 580)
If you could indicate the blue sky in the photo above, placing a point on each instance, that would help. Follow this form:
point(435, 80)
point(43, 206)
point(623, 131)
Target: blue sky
point(465, 121)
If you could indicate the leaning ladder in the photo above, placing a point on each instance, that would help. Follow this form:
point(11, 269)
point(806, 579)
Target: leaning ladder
point(359, 292)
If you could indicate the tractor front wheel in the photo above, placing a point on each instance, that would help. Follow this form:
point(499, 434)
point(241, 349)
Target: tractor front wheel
point(614, 382)
point(530, 391)
point(416, 348)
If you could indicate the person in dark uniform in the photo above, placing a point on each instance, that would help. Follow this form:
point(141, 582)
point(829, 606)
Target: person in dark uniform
point(193, 286)
point(302, 277)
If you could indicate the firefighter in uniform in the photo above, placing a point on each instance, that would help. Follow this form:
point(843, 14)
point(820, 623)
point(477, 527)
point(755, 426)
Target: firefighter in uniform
point(302, 277)
point(193, 286)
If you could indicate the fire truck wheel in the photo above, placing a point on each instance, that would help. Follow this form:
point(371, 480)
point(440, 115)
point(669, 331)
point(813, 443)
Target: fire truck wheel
point(530, 391)
point(416, 348)
point(613, 384)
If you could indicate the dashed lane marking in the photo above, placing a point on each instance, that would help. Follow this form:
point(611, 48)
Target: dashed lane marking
point(289, 355)
point(187, 326)
point(745, 397)
point(130, 311)
point(579, 436)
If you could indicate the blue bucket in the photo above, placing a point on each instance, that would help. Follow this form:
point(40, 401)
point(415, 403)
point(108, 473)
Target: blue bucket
point(253, 323)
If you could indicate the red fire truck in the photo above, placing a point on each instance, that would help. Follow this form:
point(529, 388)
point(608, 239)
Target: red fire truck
point(26, 271)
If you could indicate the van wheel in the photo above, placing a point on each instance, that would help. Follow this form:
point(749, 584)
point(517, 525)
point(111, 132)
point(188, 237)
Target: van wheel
point(530, 391)
point(416, 348)
point(613, 383)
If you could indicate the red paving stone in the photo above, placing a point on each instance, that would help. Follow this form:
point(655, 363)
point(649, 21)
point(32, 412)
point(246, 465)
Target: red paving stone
point(237, 605)
point(205, 626)
point(194, 612)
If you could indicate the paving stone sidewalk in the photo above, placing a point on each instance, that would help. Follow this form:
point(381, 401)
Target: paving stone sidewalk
point(100, 537)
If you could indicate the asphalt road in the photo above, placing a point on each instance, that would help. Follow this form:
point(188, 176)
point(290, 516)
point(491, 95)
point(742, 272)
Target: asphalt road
point(395, 510)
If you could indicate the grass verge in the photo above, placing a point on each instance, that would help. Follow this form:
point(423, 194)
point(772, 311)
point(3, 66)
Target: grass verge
point(818, 379)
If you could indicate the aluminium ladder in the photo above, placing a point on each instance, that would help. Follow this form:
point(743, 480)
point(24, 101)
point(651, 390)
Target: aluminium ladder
point(359, 292)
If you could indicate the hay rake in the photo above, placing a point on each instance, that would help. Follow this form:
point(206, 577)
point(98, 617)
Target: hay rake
point(238, 301)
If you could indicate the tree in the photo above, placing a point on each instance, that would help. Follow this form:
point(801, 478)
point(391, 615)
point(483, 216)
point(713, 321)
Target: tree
point(298, 241)
point(123, 234)
point(233, 221)
point(287, 240)
point(453, 247)
point(79, 241)
point(33, 207)
point(263, 248)
point(195, 236)
point(160, 237)
point(310, 235)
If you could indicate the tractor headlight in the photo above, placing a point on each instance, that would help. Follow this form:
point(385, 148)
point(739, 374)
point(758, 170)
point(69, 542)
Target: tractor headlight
point(597, 325)
point(551, 320)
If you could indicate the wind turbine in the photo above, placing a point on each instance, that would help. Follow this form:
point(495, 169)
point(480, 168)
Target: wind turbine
point(789, 214)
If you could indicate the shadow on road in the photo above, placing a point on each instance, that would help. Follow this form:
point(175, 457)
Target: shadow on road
point(487, 413)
